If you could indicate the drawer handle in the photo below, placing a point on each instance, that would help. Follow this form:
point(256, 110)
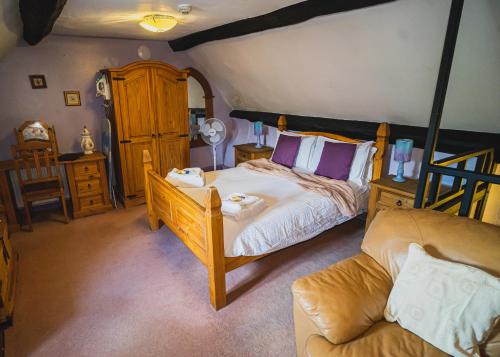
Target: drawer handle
point(89, 186)
point(399, 203)
point(86, 168)
point(91, 202)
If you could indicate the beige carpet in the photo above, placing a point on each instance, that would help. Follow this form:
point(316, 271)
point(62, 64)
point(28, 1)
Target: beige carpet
point(107, 286)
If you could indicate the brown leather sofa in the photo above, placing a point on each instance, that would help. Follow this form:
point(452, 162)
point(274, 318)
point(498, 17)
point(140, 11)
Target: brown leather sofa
point(339, 311)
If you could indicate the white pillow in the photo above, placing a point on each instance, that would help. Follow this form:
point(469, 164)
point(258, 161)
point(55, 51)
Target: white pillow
point(367, 176)
point(359, 162)
point(306, 148)
point(450, 305)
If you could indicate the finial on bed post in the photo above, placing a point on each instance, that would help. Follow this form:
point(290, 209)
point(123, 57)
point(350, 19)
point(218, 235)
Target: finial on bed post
point(215, 249)
point(282, 123)
point(154, 221)
point(383, 133)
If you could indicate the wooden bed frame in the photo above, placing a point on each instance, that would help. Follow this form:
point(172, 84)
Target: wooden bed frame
point(201, 227)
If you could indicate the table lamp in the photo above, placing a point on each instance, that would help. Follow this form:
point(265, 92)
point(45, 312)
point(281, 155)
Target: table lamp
point(257, 129)
point(402, 155)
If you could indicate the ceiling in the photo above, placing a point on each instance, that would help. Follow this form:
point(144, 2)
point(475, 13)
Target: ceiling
point(119, 18)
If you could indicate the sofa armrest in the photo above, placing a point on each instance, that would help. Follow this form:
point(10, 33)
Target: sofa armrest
point(345, 299)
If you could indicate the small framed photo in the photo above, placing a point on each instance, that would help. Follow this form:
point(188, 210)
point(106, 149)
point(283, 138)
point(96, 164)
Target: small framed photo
point(72, 98)
point(38, 81)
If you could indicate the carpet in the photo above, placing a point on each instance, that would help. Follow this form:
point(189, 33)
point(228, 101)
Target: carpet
point(107, 286)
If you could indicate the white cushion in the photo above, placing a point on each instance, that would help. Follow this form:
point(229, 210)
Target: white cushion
point(450, 305)
point(359, 162)
point(306, 148)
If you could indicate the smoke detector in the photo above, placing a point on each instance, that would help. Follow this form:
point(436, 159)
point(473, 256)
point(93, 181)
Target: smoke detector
point(184, 9)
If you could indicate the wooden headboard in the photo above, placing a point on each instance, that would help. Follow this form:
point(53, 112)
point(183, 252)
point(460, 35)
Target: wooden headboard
point(381, 143)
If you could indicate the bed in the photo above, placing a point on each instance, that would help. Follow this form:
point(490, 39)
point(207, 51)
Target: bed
point(292, 214)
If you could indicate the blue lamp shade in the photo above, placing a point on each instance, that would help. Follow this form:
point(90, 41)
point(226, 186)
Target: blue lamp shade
point(257, 129)
point(402, 154)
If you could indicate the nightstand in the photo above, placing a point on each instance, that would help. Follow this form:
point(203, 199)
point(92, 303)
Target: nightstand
point(386, 193)
point(88, 184)
point(247, 152)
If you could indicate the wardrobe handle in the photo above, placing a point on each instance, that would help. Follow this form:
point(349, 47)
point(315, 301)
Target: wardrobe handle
point(399, 203)
point(183, 135)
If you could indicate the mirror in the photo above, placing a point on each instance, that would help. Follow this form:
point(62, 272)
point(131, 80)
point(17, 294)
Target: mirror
point(200, 105)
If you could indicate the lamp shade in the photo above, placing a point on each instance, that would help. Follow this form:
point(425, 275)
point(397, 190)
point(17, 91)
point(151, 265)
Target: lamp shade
point(403, 150)
point(257, 128)
point(158, 23)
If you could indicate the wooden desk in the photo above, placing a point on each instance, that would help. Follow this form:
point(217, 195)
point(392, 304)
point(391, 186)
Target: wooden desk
point(7, 201)
point(8, 273)
point(85, 203)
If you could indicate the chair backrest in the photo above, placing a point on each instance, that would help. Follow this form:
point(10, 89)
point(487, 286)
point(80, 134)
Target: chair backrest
point(36, 131)
point(37, 160)
point(444, 236)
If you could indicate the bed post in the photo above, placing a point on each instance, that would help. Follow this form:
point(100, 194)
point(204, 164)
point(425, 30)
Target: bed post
point(154, 222)
point(215, 249)
point(383, 133)
point(282, 123)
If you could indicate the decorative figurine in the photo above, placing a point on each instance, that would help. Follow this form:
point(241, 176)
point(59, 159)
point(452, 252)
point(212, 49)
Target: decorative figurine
point(87, 144)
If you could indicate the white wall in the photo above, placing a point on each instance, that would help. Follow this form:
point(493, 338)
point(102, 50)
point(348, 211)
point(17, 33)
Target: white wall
point(196, 95)
point(375, 64)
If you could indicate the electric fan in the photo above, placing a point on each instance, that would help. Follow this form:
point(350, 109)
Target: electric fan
point(213, 132)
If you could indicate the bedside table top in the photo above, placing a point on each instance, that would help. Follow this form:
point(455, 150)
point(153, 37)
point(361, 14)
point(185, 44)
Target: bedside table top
point(250, 147)
point(409, 187)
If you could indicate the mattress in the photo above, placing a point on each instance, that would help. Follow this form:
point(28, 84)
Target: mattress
point(292, 214)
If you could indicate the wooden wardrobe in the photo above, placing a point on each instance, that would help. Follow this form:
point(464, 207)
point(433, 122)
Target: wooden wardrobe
point(149, 111)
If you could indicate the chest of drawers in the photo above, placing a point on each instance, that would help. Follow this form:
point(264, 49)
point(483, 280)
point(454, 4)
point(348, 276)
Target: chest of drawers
point(88, 185)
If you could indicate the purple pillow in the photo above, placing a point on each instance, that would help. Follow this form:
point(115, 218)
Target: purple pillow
point(286, 150)
point(336, 160)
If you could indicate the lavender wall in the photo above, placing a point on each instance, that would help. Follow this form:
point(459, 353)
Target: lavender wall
point(70, 63)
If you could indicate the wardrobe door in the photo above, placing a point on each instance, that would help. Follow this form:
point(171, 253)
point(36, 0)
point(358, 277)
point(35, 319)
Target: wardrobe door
point(136, 128)
point(171, 111)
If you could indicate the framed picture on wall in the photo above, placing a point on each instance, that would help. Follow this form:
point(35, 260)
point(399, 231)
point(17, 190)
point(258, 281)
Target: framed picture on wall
point(38, 81)
point(72, 98)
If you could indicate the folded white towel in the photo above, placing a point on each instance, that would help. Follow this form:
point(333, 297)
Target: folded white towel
point(190, 177)
point(240, 206)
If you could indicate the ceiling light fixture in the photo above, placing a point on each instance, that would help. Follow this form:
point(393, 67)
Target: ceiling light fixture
point(158, 23)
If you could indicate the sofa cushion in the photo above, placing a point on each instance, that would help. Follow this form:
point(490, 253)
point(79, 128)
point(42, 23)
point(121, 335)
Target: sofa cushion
point(452, 306)
point(444, 236)
point(346, 298)
point(382, 339)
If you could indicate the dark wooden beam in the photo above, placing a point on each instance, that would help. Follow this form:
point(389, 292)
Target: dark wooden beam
point(450, 141)
point(286, 16)
point(39, 17)
point(431, 140)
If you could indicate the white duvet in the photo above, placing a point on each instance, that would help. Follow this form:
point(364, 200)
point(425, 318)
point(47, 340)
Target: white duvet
point(292, 214)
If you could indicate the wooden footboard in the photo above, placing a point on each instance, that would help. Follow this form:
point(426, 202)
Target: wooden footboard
point(199, 227)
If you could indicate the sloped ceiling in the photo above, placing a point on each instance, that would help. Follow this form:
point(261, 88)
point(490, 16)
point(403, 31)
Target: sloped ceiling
point(119, 18)
point(375, 64)
point(10, 25)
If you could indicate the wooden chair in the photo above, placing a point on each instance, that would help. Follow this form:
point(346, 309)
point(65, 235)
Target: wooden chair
point(36, 131)
point(38, 172)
